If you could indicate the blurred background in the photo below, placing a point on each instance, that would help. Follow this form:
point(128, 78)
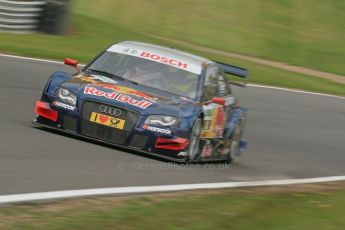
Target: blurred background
point(307, 33)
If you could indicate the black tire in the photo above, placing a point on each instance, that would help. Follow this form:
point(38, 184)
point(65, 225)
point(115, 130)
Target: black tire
point(234, 141)
point(193, 149)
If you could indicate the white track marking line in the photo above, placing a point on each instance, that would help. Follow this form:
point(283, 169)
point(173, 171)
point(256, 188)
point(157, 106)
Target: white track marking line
point(30, 59)
point(295, 90)
point(251, 85)
point(16, 198)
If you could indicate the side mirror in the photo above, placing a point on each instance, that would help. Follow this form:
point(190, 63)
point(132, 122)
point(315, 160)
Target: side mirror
point(218, 100)
point(72, 62)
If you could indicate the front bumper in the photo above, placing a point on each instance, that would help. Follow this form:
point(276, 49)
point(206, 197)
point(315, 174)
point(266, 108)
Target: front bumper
point(142, 140)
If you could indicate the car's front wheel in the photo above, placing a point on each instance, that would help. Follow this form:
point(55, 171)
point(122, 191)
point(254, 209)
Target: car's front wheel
point(193, 149)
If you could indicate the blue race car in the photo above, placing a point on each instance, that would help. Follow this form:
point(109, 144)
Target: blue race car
point(151, 99)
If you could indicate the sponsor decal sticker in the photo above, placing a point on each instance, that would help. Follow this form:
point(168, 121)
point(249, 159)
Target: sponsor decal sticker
point(157, 57)
point(207, 150)
point(107, 120)
point(97, 81)
point(143, 104)
point(63, 105)
point(182, 154)
point(126, 90)
point(157, 130)
point(162, 59)
point(214, 121)
point(94, 79)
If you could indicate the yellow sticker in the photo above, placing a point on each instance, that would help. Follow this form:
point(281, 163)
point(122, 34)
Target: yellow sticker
point(107, 120)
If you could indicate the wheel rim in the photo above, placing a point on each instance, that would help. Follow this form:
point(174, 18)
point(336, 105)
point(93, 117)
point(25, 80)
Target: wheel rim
point(235, 141)
point(194, 141)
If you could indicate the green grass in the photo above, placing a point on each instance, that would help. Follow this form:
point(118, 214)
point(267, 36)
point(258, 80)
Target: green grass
point(226, 210)
point(308, 33)
point(97, 25)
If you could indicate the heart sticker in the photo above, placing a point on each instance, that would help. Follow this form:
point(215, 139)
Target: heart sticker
point(103, 118)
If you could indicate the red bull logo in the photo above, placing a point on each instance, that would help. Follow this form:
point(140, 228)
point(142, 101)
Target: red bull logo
point(143, 104)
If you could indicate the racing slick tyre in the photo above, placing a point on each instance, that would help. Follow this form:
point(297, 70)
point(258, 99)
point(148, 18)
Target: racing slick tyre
point(193, 149)
point(234, 142)
point(230, 146)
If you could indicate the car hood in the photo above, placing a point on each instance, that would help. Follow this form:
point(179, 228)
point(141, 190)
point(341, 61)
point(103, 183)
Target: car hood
point(145, 100)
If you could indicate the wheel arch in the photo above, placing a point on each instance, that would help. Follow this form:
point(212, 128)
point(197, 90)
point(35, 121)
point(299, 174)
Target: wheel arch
point(235, 117)
point(55, 80)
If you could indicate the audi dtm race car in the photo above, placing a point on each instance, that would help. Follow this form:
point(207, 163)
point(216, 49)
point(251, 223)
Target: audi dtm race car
point(151, 99)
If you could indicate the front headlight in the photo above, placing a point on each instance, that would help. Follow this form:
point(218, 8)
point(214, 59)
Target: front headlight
point(162, 120)
point(67, 96)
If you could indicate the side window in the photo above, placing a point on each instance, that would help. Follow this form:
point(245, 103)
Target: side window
point(223, 86)
point(211, 83)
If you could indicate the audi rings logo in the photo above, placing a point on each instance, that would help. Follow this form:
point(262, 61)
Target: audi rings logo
point(110, 111)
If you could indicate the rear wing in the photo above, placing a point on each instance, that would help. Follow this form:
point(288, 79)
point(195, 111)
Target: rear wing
point(235, 71)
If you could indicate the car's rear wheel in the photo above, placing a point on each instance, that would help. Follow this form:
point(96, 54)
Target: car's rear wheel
point(234, 141)
point(193, 149)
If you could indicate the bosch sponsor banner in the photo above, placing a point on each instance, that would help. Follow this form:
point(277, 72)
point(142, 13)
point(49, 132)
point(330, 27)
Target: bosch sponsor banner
point(157, 130)
point(143, 104)
point(63, 105)
point(156, 57)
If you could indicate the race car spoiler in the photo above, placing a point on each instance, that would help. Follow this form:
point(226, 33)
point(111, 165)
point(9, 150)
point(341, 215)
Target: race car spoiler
point(236, 71)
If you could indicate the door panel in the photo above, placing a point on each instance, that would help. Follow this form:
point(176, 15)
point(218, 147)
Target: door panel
point(215, 115)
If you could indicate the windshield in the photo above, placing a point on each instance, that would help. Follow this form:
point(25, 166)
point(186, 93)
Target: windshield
point(148, 73)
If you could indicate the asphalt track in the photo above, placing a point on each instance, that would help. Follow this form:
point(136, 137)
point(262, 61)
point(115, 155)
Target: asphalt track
point(291, 135)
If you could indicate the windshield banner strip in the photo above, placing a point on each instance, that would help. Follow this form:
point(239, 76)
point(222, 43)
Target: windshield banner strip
point(156, 57)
